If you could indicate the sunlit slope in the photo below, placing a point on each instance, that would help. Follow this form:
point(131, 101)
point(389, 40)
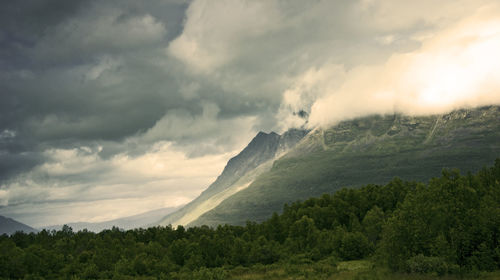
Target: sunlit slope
point(367, 150)
point(239, 172)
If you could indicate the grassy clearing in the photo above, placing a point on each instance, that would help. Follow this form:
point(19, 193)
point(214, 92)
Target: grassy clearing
point(350, 270)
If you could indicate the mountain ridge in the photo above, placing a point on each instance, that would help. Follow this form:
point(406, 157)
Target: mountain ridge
point(365, 150)
point(10, 226)
point(239, 173)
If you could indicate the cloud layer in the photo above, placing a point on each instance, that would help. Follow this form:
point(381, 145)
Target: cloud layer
point(454, 67)
point(128, 106)
point(78, 185)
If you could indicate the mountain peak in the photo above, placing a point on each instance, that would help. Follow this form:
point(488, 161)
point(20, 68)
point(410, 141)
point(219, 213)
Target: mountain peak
point(238, 173)
point(263, 135)
point(262, 148)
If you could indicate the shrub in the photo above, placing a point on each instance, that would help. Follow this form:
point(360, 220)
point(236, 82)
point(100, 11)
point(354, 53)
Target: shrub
point(424, 264)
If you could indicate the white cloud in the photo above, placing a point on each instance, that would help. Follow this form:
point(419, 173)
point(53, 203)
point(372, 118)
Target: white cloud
point(391, 15)
point(456, 67)
point(218, 135)
point(77, 185)
point(7, 134)
point(386, 40)
point(271, 48)
point(215, 31)
point(306, 89)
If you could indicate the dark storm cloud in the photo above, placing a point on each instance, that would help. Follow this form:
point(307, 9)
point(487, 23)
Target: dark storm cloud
point(13, 164)
point(94, 73)
point(79, 71)
point(24, 22)
point(124, 75)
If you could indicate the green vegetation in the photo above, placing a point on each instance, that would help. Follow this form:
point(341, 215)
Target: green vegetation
point(449, 227)
point(347, 270)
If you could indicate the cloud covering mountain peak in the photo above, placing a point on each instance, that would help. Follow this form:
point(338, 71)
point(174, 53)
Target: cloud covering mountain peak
point(90, 89)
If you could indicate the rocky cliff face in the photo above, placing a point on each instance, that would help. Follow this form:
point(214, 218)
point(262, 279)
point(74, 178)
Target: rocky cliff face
point(289, 139)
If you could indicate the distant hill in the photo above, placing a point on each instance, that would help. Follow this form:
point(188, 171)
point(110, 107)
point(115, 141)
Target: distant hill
point(9, 226)
point(371, 149)
point(143, 220)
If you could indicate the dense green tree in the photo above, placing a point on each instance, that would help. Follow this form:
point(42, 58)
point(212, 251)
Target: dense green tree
point(373, 223)
point(11, 260)
point(354, 246)
point(454, 218)
point(303, 234)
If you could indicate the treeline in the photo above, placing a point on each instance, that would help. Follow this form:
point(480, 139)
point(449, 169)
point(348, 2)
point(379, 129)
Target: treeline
point(450, 225)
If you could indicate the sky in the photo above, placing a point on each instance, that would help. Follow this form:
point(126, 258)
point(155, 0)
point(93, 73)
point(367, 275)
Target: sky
point(114, 108)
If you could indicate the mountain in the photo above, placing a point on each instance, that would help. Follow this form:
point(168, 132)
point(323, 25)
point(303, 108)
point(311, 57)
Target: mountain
point(9, 226)
point(371, 149)
point(143, 220)
point(238, 174)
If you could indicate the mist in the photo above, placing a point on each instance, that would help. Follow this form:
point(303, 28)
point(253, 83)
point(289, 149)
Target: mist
point(456, 67)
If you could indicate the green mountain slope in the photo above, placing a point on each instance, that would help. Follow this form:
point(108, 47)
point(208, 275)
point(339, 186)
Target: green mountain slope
point(366, 150)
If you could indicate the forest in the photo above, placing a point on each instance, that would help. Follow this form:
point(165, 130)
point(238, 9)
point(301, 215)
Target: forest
point(447, 226)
